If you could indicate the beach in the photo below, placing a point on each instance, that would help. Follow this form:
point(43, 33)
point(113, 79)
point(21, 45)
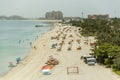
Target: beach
point(68, 54)
point(15, 40)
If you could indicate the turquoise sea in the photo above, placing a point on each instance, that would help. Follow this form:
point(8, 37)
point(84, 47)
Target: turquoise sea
point(15, 38)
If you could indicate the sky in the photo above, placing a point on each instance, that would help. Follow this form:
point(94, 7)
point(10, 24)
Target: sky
point(70, 8)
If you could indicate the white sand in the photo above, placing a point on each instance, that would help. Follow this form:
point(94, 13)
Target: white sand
point(30, 68)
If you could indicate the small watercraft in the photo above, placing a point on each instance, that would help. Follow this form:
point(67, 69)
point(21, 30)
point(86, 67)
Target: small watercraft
point(38, 25)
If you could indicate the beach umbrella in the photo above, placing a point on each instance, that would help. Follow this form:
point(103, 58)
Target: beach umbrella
point(47, 67)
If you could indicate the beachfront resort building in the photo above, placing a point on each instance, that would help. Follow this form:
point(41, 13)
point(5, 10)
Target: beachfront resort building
point(68, 19)
point(54, 15)
point(95, 16)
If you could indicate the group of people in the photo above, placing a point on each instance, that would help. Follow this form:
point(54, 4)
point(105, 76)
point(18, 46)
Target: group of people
point(63, 33)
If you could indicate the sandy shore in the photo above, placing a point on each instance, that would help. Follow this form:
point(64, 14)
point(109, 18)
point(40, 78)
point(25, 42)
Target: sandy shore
point(30, 68)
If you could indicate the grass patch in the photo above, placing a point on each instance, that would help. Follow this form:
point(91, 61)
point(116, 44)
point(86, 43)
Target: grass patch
point(117, 71)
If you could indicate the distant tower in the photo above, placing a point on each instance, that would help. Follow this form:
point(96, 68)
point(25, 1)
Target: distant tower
point(82, 18)
point(82, 15)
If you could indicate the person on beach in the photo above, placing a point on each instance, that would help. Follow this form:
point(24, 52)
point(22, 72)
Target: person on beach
point(19, 41)
point(18, 60)
point(31, 44)
point(35, 47)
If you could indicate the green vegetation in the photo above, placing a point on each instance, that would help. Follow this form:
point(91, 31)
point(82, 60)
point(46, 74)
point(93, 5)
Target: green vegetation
point(116, 71)
point(107, 33)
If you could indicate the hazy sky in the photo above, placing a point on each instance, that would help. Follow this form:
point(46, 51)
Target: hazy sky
point(37, 8)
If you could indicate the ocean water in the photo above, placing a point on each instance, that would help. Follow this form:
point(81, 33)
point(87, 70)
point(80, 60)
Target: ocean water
point(15, 38)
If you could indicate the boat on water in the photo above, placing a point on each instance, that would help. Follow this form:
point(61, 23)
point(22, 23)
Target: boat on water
point(38, 25)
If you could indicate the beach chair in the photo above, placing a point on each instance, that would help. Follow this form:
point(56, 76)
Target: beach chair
point(53, 46)
point(86, 43)
point(69, 48)
point(59, 48)
point(79, 48)
point(52, 38)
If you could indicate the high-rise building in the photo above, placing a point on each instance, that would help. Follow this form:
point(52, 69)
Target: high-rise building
point(95, 16)
point(57, 15)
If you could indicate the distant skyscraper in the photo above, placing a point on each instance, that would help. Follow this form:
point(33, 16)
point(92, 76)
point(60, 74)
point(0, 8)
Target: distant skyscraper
point(54, 15)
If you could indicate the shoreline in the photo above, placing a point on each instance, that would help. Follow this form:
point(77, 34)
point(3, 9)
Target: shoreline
point(54, 21)
point(30, 67)
point(29, 51)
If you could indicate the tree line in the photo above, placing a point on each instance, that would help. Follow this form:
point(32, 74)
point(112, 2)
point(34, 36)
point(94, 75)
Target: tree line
point(107, 33)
